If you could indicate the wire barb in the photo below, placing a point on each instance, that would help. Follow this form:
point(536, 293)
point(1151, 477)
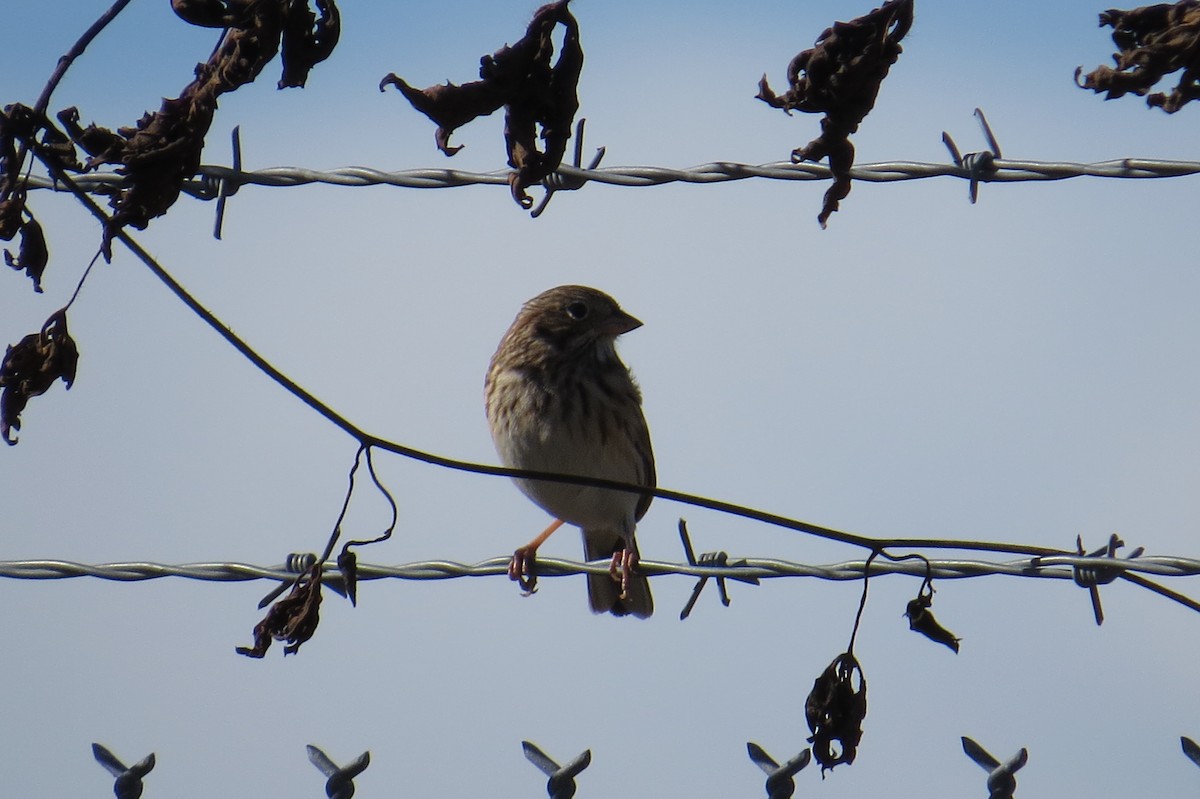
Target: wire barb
point(228, 186)
point(559, 181)
point(297, 563)
point(1092, 577)
point(980, 167)
point(719, 559)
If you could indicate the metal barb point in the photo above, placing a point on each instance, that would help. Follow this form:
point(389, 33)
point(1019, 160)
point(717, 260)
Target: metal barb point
point(1002, 777)
point(980, 166)
point(128, 784)
point(1092, 577)
point(228, 186)
point(556, 181)
point(561, 784)
point(707, 559)
point(340, 784)
point(780, 783)
point(297, 563)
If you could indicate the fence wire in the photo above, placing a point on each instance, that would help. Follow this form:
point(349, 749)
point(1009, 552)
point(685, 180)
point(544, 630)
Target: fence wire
point(747, 569)
point(208, 181)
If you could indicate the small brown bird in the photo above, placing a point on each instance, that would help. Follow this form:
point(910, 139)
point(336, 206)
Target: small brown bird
point(560, 400)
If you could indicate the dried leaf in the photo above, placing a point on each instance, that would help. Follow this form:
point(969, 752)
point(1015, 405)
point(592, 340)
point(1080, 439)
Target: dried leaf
point(11, 219)
point(31, 366)
point(12, 198)
point(163, 149)
point(33, 254)
point(348, 565)
point(307, 40)
point(447, 105)
point(534, 93)
point(292, 619)
point(920, 619)
point(202, 13)
point(840, 77)
point(1154, 41)
point(835, 710)
point(548, 100)
point(20, 122)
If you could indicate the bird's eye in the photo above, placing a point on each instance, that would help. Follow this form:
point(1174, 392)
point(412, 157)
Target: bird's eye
point(577, 310)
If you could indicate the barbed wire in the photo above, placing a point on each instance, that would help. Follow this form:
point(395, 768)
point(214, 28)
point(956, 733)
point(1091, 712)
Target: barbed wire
point(744, 569)
point(975, 163)
point(206, 184)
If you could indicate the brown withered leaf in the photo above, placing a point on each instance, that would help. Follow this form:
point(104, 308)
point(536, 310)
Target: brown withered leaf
point(348, 566)
point(835, 710)
point(31, 366)
point(840, 77)
point(20, 122)
point(535, 96)
point(292, 619)
point(163, 149)
point(447, 105)
point(921, 620)
point(33, 255)
point(1154, 41)
point(549, 100)
point(203, 13)
point(12, 215)
point(307, 40)
point(12, 197)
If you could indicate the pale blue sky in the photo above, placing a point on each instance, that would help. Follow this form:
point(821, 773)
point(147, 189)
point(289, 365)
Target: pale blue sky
point(1023, 370)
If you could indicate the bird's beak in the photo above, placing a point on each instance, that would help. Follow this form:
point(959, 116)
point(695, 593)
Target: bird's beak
point(621, 322)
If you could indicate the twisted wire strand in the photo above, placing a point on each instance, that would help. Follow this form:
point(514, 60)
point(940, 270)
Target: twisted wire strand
point(206, 183)
point(1046, 567)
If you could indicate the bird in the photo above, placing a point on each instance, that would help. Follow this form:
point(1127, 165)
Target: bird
point(559, 399)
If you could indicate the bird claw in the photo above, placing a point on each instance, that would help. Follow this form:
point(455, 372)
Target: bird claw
point(523, 569)
point(624, 563)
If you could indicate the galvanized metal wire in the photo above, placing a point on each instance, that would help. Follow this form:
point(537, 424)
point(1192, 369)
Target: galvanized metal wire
point(206, 184)
point(1061, 567)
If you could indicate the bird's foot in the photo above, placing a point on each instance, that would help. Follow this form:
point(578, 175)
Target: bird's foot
point(624, 563)
point(523, 569)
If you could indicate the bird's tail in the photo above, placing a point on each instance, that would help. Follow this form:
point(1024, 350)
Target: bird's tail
point(604, 593)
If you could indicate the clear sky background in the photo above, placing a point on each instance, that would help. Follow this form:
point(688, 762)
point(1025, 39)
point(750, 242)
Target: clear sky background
point(1020, 370)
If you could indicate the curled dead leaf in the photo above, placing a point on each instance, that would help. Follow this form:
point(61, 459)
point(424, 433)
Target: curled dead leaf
point(840, 77)
point(348, 566)
point(292, 619)
point(31, 366)
point(33, 254)
point(1153, 42)
point(921, 620)
point(307, 40)
point(536, 96)
point(835, 710)
point(163, 148)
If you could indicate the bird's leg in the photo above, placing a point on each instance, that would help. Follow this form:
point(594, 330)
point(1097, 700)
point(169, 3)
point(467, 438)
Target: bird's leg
point(523, 566)
point(624, 562)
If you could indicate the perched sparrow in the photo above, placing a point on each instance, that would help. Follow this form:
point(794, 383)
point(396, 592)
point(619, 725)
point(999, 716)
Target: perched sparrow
point(560, 400)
